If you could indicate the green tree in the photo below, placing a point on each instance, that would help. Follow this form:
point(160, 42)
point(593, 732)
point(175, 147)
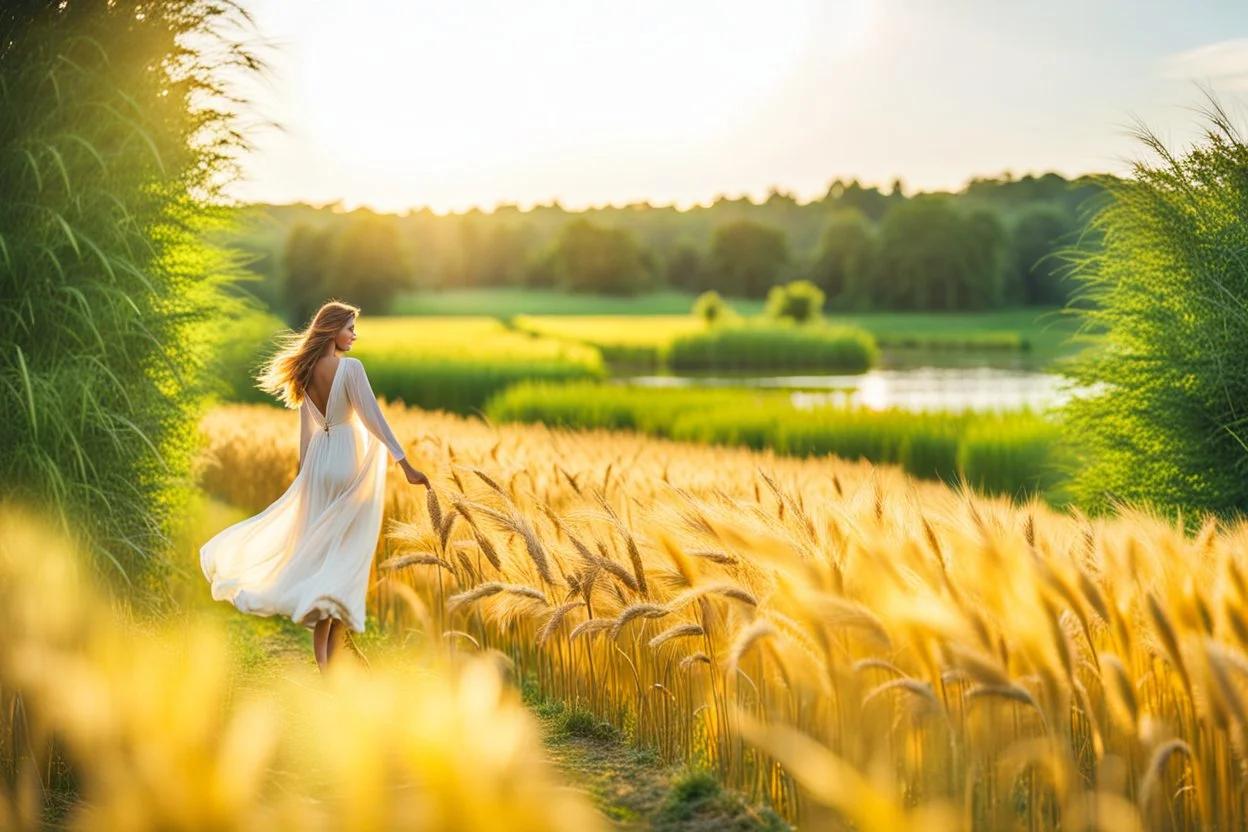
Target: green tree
point(505, 254)
point(1037, 236)
point(988, 248)
point(932, 256)
point(591, 258)
point(711, 308)
point(305, 272)
point(368, 263)
point(871, 201)
point(1163, 420)
point(845, 263)
point(747, 258)
point(117, 133)
point(682, 268)
point(800, 301)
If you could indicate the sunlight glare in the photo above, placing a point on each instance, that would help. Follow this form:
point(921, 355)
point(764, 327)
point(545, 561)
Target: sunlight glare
point(489, 82)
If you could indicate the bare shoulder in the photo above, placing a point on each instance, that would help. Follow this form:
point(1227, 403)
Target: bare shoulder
point(326, 365)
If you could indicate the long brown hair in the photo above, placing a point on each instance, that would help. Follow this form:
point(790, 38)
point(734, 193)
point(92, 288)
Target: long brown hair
point(289, 372)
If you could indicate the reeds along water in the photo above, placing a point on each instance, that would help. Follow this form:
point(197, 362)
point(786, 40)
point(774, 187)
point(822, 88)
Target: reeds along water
point(853, 646)
point(1014, 453)
point(114, 725)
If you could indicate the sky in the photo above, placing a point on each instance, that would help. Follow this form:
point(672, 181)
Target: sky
point(398, 104)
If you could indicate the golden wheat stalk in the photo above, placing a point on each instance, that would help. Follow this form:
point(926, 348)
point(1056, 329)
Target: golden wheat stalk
point(590, 627)
point(912, 686)
point(686, 630)
point(556, 618)
point(1012, 693)
point(1151, 782)
point(434, 507)
point(694, 658)
point(532, 543)
point(637, 611)
point(485, 478)
point(492, 588)
point(487, 549)
point(417, 559)
point(728, 590)
point(749, 636)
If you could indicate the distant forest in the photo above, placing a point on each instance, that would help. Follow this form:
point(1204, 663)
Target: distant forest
point(998, 242)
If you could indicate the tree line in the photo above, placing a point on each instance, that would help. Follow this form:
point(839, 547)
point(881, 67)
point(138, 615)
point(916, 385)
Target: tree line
point(995, 243)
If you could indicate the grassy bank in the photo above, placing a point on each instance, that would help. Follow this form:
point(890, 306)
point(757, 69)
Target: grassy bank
point(774, 347)
point(634, 340)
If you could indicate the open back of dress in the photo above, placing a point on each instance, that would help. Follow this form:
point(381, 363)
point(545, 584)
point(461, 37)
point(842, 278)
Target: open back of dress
point(308, 555)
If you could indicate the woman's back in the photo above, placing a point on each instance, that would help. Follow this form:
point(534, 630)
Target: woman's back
point(322, 383)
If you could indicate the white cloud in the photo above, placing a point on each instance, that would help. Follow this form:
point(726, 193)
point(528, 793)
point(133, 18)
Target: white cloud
point(1224, 65)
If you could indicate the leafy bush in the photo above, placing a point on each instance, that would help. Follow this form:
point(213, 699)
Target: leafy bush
point(711, 308)
point(1165, 422)
point(800, 301)
point(249, 341)
point(115, 139)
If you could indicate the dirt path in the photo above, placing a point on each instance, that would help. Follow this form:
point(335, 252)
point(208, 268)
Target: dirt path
point(633, 788)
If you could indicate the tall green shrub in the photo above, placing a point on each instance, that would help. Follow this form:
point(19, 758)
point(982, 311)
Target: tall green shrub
point(116, 137)
point(1165, 420)
point(800, 301)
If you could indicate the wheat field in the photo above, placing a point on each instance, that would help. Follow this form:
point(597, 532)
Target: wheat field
point(859, 649)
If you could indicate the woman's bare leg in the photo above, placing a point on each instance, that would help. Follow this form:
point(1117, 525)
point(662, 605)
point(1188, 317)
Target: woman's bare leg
point(336, 632)
point(320, 642)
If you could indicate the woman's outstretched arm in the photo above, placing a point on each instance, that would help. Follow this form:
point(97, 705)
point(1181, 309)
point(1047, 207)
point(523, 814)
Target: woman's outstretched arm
point(360, 392)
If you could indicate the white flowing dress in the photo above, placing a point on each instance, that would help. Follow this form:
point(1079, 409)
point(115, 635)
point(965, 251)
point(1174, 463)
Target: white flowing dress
point(308, 555)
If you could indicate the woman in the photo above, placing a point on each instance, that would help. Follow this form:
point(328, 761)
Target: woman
point(308, 555)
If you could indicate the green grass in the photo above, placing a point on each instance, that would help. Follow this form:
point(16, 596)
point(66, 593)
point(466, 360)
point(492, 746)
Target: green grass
point(457, 365)
point(581, 722)
point(1044, 331)
point(993, 451)
point(1014, 454)
point(636, 340)
point(697, 800)
point(507, 302)
point(767, 346)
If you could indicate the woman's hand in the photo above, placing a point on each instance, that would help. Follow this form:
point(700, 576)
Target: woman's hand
point(413, 476)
